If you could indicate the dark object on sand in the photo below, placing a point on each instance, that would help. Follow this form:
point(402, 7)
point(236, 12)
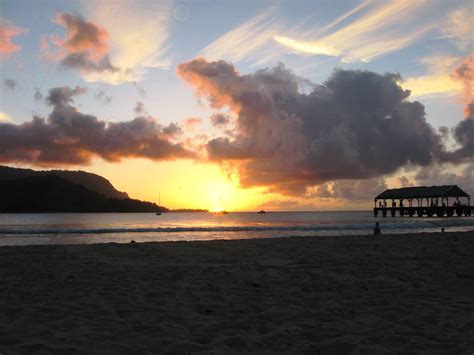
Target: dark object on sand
point(132, 242)
point(261, 212)
point(158, 213)
point(377, 230)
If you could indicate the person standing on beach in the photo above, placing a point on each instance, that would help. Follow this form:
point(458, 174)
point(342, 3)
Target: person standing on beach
point(377, 230)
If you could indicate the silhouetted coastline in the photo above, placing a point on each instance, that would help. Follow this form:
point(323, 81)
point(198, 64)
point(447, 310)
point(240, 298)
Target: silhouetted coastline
point(54, 194)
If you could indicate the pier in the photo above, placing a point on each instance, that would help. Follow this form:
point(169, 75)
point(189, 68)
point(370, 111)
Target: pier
point(430, 201)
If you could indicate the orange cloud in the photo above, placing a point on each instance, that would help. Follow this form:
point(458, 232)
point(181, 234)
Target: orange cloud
point(84, 47)
point(465, 74)
point(82, 36)
point(7, 32)
point(192, 122)
point(70, 137)
point(200, 75)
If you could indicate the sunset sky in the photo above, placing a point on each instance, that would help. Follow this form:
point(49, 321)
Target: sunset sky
point(242, 105)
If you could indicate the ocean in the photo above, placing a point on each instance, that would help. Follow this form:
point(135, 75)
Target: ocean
point(86, 228)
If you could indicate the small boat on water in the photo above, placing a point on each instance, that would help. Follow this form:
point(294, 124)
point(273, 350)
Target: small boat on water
point(224, 212)
point(159, 203)
point(261, 212)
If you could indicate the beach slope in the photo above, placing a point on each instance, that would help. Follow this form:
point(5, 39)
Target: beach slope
point(326, 295)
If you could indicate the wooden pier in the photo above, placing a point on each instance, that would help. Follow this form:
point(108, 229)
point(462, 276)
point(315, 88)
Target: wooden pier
point(431, 201)
point(424, 211)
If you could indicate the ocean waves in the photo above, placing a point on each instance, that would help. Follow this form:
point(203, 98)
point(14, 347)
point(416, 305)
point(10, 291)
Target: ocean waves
point(386, 224)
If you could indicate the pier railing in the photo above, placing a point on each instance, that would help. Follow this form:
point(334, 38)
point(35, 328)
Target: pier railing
point(429, 211)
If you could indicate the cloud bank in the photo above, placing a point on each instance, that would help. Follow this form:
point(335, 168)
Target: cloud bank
point(356, 125)
point(316, 142)
point(69, 137)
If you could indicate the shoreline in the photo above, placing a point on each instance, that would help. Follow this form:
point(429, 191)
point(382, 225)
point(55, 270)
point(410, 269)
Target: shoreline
point(144, 238)
point(334, 294)
point(383, 235)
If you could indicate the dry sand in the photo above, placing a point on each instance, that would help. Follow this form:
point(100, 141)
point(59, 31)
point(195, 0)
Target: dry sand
point(326, 295)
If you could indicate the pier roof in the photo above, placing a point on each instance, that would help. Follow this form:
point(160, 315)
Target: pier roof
point(422, 192)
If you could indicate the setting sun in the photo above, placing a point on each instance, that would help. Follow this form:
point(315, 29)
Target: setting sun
point(281, 177)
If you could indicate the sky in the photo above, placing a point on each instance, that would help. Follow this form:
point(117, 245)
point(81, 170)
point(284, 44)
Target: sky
point(242, 105)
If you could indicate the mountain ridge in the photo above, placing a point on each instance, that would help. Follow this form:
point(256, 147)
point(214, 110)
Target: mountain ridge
point(91, 181)
point(26, 191)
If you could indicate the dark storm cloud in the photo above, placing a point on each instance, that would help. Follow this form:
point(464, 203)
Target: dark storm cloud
point(9, 84)
point(356, 125)
point(351, 189)
point(464, 135)
point(68, 136)
point(447, 174)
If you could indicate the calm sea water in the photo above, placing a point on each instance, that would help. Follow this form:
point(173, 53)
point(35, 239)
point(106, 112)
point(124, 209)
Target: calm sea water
point(85, 228)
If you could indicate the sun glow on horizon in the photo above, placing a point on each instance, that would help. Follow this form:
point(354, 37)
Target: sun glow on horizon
point(185, 184)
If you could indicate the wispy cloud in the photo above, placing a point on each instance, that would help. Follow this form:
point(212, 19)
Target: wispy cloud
point(439, 80)
point(385, 28)
point(459, 26)
point(248, 40)
point(309, 47)
point(367, 31)
point(344, 17)
point(7, 31)
point(434, 84)
point(138, 37)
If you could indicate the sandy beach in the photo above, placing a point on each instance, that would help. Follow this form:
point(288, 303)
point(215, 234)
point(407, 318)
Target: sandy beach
point(315, 295)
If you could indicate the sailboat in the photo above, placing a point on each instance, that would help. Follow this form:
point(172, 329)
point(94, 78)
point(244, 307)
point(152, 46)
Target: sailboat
point(159, 203)
point(219, 210)
point(220, 200)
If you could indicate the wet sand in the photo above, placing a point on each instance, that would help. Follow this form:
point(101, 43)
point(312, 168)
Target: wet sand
point(326, 295)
